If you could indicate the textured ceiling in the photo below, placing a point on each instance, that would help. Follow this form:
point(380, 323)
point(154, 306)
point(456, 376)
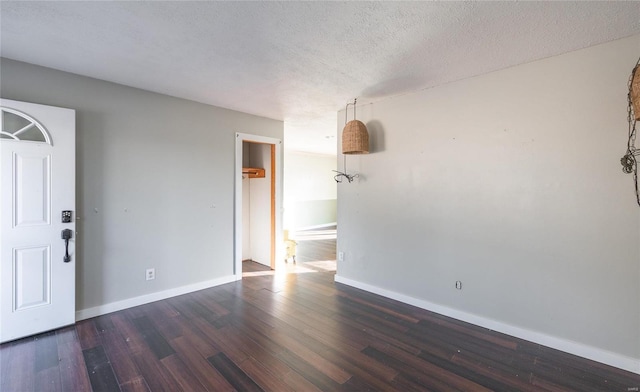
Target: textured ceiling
point(300, 61)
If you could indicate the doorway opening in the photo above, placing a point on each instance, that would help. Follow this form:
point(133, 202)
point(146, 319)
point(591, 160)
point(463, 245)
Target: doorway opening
point(258, 201)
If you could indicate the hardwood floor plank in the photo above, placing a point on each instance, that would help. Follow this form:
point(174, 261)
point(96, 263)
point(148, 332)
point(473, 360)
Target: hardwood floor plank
point(20, 369)
point(135, 312)
point(202, 343)
point(308, 251)
point(209, 378)
point(263, 377)
point(135, 385)
point(157, 377)
point(357, 384)
point(5, 357)
point(593, 373)
point(405, 384)
point(323, 329)
point(100, 371)
point(364, 369)
point(103, 323)
point(156, 342)
point(381, 309)
point(48, 380)
point(422, 373)
point(182, 374)
point(465, 373)
point(392, 341)
point(253, 350)
point(67, 334)
point(218, 337)
point(129, 333)
point(381, 332)
point(518, 380)
point(299, 383)
point(559, 374)
point(477, 332)
point(210, 303)
point(72, 368)
point(166, 319)
point(310, 373)
point(46, 351)
point(119, 356)
point(233, 374)
point(309, 350)
point(257, 333)
point(87, 334)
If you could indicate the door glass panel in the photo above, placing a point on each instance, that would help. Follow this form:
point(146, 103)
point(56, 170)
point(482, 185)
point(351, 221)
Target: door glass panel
point(11, 122)
point(17, 127)
point(32, 134)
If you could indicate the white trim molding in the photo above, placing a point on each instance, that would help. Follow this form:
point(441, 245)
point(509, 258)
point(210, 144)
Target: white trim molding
point(237, 221)
point(596, 354)
point(148, 298)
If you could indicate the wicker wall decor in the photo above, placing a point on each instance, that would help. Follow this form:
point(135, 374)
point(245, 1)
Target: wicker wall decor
point(355, 137)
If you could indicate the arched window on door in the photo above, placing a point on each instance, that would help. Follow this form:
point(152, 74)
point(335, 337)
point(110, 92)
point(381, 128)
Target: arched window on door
point(22, 127)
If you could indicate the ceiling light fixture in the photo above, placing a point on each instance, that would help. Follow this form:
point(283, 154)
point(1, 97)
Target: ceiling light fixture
point(355, 141)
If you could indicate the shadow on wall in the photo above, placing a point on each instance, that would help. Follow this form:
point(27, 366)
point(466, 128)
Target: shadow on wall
point(376, 136)
point(393, 86)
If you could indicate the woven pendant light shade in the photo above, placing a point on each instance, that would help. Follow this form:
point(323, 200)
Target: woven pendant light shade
point(635, 92)
point(355, 138)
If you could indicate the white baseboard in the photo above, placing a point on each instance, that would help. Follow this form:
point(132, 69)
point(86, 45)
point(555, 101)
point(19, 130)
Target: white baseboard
point(147, 298)
point(579, 349)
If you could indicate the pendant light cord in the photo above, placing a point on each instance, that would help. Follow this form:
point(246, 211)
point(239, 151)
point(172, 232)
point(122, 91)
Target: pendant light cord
point(349, 177)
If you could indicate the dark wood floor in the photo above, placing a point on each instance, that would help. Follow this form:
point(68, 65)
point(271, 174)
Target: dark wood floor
point(291, 332)
point(316, 245)
point(316, 250)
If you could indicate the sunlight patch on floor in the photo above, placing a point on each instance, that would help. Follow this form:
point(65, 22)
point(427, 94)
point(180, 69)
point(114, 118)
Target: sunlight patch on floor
point(295, 268)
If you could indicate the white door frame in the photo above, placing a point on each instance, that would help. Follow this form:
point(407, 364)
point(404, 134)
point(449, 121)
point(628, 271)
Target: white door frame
point(237, 206)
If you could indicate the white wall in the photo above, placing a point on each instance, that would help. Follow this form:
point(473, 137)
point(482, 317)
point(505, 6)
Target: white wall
point(260, 204)
point(510, 182)
point(155, 182)
point(310, 191)
point(246, 217)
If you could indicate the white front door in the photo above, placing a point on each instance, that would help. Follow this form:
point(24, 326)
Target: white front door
point(37, 170)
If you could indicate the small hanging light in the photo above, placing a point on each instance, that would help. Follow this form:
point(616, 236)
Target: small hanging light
point(355, 140)
point(355, 137)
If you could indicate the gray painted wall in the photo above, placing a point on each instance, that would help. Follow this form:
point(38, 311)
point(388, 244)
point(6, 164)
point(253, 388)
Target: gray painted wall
point(510, 182)
point(309, 190)
point(154, 181)
point(313, 213)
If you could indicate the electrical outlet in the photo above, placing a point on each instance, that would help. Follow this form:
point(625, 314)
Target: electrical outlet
point(340, 256)
point(151, 274)
point(458, 285)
